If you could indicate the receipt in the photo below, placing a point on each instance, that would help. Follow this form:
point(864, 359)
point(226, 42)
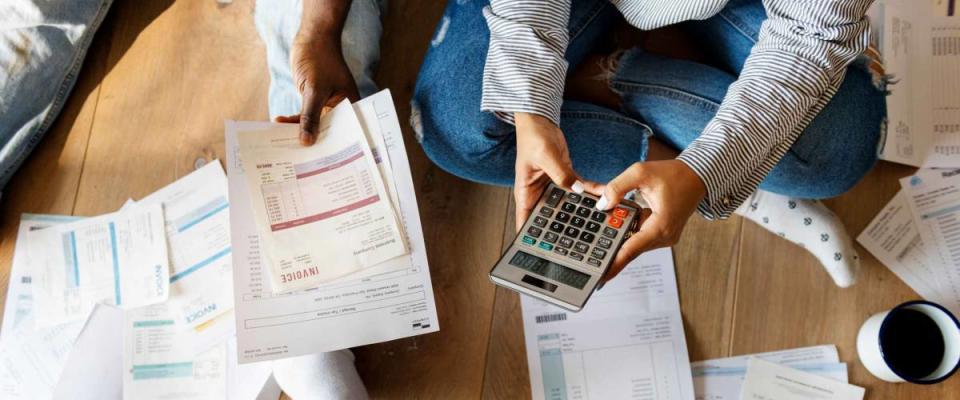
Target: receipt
point(197, 218)
point(118, 258)
point(770, 381)
point(322, 211)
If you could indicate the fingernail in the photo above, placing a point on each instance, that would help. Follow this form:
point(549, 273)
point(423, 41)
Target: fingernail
point(602, 203)
point(577, 187)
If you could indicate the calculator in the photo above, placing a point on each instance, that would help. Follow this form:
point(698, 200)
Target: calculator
point(565, 247)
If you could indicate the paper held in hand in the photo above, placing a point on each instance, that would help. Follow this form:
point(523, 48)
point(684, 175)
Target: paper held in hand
point(322, 211)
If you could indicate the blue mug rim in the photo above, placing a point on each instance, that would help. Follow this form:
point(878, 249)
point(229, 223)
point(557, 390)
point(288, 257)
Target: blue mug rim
point(895, 370)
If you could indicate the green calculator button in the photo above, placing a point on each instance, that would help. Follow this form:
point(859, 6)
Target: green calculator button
point(546, 246)
point(529, 240)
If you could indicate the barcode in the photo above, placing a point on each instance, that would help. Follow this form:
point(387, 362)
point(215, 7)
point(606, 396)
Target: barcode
point(551, 318)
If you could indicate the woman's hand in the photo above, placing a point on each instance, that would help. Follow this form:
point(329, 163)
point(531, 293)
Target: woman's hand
point(323, 79)
point(671, 189)
point(542, 156)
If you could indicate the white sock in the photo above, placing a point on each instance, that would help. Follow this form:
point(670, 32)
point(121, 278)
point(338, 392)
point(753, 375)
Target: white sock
point(320, 376)
point(809, 224)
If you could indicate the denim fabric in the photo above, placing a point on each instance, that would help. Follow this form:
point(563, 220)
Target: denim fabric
point(42, 46)
point(277, 22)
point(670, 98)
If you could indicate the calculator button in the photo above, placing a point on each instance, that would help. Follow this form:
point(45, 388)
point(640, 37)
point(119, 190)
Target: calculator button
point(615, 222)
point(529, 240)
point(566, 242)
point(546, 246)
point(560, 250)
point(588, 202)
point(596, 253)
point(577, 222)
point(550, 237)
point(576, 256)
point(563, 217)
point(604, 243)
point(574, 198)
point(534, 231)
point(556, 227)
point(554, 198)
point(572, 232)
point(598, 216)
point(593, 227)
point(594, 262)
point(587, 237)
point(581, 247)
point(568, 207)
point(546, 212)
point(609, 232)
point(539, 221)
point(620, 212)
point(583, 212)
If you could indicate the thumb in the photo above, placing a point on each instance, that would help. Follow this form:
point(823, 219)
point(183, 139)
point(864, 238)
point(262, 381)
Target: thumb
point(627, 181)
point(560, 171)
point(310, 113)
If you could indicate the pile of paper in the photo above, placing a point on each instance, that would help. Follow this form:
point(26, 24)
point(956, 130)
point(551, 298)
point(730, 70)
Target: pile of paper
point(916, 235)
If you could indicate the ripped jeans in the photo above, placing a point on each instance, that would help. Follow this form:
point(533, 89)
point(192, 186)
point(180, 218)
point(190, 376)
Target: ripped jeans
point(669, 99)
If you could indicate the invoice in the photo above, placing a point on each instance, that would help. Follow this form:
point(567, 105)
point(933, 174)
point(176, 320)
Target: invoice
point(627, 343)
point(385, 302)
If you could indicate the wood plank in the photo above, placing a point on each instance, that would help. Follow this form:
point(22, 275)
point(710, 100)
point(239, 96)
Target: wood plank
point(786, 300)
point(47, 181)
point(462, 224)
point(178, 70)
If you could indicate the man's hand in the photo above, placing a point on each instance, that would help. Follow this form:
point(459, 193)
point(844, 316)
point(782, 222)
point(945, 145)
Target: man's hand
point(542, 156)
point(671, 189)
point(318, 67)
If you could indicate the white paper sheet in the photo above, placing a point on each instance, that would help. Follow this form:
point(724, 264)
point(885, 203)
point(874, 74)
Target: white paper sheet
point(934, 201)
point(921, 51)
point(31, 360)
point(198, 240)
point(721, 379)
point(628, 341)
point(322, 211)
point(770, 381)
point(388, 301)
point(118, 258)
point(94, 368)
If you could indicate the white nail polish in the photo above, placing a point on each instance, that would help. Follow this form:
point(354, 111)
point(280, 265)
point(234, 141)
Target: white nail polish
point(577, 187)
point(602, 203)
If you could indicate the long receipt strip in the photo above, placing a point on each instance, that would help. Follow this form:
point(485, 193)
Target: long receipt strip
point(387, 301)
point(722, 379)
point(198, 235)
point(921, 50)
point(118, 258)
point(323, 210)
point(766, 380)
point(627, 343)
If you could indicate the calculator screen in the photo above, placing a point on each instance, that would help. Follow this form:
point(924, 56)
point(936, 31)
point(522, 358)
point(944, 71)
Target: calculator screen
point(549, 269)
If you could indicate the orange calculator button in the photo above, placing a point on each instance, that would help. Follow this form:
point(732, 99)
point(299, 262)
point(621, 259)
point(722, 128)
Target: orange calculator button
point(620, 212)
point(615, 222)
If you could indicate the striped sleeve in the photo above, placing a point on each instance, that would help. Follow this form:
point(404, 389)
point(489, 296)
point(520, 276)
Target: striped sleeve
point(792, 72)
point(525, 68)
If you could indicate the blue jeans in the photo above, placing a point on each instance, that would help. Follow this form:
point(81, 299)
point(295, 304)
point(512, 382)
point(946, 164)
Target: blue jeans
point(42, 46)
point(669, 99)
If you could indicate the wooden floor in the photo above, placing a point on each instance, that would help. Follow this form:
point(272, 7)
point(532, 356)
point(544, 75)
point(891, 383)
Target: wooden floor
point(162, 76)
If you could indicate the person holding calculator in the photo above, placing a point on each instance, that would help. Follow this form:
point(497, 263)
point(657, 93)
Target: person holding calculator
point(785, 111)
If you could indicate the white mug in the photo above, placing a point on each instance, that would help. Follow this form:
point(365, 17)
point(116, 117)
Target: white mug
point(871, 351)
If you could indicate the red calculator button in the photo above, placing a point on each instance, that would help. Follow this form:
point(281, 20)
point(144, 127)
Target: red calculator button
point(620, 212)
point(615, 222)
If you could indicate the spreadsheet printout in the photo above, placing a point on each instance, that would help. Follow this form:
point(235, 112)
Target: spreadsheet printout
point(388, 301)
point(628, 342)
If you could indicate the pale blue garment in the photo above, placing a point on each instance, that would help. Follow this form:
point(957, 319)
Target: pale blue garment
point(42, 46)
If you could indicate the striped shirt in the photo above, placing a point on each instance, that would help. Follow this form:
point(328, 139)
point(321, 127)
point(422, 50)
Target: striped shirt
point(792, 72)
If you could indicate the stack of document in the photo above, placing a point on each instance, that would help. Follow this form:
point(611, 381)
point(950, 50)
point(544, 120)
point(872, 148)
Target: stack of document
point(357, 218)
point(916, 235)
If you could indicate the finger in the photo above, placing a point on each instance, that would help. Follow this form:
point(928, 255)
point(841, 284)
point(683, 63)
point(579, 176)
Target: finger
point(560, 172)
point(522, 196)
point(592, 187)
point(310, 114)
point(628, 180)
point(649, 237)
point(287, 119)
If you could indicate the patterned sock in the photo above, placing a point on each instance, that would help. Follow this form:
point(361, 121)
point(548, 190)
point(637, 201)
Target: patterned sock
point(329, 375)
point(809, 224)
